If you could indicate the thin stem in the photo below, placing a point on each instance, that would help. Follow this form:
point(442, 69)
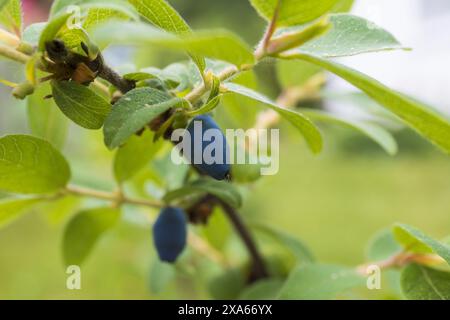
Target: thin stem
point(13, 54)
point(112, 197)
point(100, 86)
point(258, 266)
point(264, 44)
point(197, 243)
point(402, 259)
point(199, 91)
point(115, 79)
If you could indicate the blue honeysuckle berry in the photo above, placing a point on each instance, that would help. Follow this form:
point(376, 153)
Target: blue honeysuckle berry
point(205, 142)
point(170, 233)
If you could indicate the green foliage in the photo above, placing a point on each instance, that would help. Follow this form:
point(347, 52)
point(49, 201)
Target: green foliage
point(11, 15)
point(12, 209)
point(306, 34)
point(421, 118)
point(80, 104)
point(373, 131)
point(32, 33)
point(301, 252)
point(133, 112)
point(59, 6)
point(262, 290)
point(292, 12)
point(134, 156)
point(83, 231)
point(355, 36)
point(94, 15)
point(31, 165)
point(218, 44)
point(415, 240)
point(383, 246)
point(303, 124)
point(51, 29)
point(422, 283)
point(161, 14)
point(161, 274)
point(222, 190)
point(45, 120)
point(320, 282)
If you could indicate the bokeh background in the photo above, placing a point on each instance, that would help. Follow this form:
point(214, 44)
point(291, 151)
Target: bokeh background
point(335, 202)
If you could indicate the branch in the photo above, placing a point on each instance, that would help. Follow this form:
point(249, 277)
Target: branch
point(13, 54)
point(259, 270)
point(197, 243)
point(402, 259)
point(117, 197)
point(199, 91)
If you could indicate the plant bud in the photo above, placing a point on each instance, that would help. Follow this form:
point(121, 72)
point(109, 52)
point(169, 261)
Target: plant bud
point(209, 151)
point(23, 90)
point(170, 233)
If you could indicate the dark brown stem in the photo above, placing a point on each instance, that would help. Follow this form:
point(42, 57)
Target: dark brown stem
point(116, 80)
point(259, 270)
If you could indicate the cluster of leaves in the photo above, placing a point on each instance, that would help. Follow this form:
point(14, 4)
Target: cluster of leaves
point(302, 36)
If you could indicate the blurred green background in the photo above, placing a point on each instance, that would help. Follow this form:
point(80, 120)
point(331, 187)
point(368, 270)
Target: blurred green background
point(335, 202)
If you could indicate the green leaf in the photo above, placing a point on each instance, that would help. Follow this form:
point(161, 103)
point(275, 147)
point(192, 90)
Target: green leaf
point(31, 165)
point(303, 124)
point(45, 119)
point(163, 15)
point(57, 210)
point(161, 274)
point(262, 290)
point(382, 246)
point(221, 189)
point(98, 13)
point(292, 12)
point(300, 251)
point(319, 282)
point(228, 285)
point(288, 38)
point(423, 283)
point(12, 209)
point(135, 155)
point(295, 73)
point(206, 108)
point(33, 32)
point(95, 14)
point(59, 5)
point(350, 35)
point(379, 135)
point(171, 175)
point(218, 230)
point(83, 231)
point(218, 44)
point(424, 120)
point(80, 104)
point(343, 6)
point(52, 28)
point(11, 15)
point(133, 112)
point(415, 240)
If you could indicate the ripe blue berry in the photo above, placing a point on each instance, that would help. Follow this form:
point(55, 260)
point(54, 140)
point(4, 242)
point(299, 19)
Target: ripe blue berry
point(170, 233)
point(209, 151)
